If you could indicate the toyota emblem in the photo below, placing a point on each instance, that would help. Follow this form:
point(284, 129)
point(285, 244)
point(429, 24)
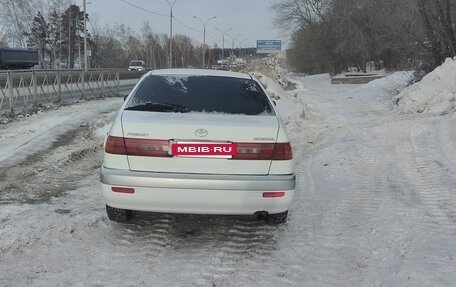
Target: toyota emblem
point(201, 133)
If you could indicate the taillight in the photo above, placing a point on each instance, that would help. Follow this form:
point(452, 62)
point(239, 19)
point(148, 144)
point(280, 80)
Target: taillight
point(137, 147)
point(160, 148)
point(282, 151)
point(147, 147)
point(115, 145)
point(263, 151)
point(254, 151)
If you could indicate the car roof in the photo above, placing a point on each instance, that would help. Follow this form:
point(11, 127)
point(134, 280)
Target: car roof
point(200, 72)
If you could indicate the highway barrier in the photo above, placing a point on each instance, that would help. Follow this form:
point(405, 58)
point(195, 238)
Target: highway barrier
point(23, 88)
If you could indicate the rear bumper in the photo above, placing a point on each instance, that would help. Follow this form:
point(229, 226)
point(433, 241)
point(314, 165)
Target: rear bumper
point(196, 193)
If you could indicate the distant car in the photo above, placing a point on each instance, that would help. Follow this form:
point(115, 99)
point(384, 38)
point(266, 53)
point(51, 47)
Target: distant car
point(200, 142)
point(137, 65)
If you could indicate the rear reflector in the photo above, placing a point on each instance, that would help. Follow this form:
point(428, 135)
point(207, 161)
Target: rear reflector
point(123, 189)
point(273, 194)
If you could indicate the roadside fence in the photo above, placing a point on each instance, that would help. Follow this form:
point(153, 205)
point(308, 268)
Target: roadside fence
point(23, 88)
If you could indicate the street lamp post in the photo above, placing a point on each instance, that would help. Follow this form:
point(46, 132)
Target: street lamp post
point(223, 41)
point(204, 37)
point(171, 5)
point(232, 43)
point(246, 44)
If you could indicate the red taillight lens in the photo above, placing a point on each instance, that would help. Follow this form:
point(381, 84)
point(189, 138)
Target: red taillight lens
point(160, 148)
point(282, 151)
point(264, 151)
point(147, 147)
point(115, 145)
point(254, 151)
point(137, 147)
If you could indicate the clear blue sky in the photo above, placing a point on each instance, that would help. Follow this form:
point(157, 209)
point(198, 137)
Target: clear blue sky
point(250, 18)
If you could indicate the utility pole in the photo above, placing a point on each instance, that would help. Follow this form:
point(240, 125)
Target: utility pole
point(223, 41)
point(79, 41)
point(171, 5)
point(69, 38)
point(204, 37)
point(85, 37)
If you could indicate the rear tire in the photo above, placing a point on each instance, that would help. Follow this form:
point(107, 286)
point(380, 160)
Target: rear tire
point(118, 215)
point(277, 218)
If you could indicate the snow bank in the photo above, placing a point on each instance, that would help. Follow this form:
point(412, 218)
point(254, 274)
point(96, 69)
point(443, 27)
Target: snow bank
point(434, 94)
point(382, 90)
point(391, 84)
point(285, 105)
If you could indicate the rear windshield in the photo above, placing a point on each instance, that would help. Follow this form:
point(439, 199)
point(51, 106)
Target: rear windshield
point(205, 94)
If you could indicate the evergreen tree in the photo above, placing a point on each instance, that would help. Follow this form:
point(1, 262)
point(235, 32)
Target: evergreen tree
point(55, 40)
point(72, 34)
point(38, 37)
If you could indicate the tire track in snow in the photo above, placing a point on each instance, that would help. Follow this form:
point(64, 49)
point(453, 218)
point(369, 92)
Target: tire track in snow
point(54, 169)
point(407, 193)
point(364, 224)
point(239, 250)
point(335, 252)
point(432, 175)
point(147, 236)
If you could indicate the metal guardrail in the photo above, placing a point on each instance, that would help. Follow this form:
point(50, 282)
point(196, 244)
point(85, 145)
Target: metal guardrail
point(21, 88)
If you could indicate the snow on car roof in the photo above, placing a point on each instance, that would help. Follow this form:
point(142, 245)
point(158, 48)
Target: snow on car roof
point(200, 72)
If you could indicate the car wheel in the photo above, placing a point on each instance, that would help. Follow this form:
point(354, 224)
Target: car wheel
point(118, 215)
point(277, 218)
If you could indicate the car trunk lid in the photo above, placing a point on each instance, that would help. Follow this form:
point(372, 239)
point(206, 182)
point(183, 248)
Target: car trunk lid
point(152, 133)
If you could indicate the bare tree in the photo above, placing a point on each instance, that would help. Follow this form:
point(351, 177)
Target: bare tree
point(292, 14)
point(438, 19)
point(16, 17)
point(333, 35)
point(155, 56)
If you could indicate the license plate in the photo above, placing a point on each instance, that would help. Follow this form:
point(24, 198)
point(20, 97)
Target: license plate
point(203, 149)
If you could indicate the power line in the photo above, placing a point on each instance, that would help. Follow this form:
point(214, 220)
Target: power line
point(143, 9)
point(186, 26)
point(164, 15)
point(195, 30)
point(212, 37)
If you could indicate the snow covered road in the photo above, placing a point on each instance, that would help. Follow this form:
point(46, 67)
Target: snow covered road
point(376, 206)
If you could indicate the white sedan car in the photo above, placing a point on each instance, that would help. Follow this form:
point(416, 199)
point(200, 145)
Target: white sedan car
point(199, 142)
point(137, 65)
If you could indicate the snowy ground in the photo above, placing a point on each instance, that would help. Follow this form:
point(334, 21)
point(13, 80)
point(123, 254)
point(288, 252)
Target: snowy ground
point(376, 206)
